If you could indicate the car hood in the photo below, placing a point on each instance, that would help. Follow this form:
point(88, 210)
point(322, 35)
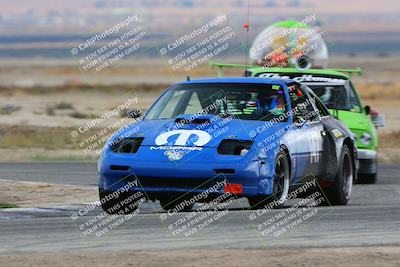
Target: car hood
point(354, 120)
point(173, 132)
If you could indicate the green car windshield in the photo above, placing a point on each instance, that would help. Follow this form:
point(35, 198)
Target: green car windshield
point(337, 96)
point(244, 101)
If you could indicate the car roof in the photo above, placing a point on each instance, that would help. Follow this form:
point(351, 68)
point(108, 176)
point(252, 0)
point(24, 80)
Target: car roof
point(258, 80)
point(257, 70)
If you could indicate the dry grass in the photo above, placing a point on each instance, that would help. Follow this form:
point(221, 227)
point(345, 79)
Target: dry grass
point(81, 115)
point(368, 91)
point(69, 110)
point(63, 105)
point(33, 143)
point(389, 147)
point(379, 91)
point(390, 139)
point(40, 137)
point(73, 87)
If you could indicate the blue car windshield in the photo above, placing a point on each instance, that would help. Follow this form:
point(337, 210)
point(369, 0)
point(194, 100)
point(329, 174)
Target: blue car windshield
point(244, 101)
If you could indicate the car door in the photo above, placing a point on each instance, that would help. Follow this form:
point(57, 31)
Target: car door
point(306, 136)
point(317, 132)
point(328, 157)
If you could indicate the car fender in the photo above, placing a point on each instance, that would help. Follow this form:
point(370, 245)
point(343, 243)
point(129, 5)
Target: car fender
point(336, 135)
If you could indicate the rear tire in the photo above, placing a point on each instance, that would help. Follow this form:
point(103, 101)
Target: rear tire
point(339, 192)
point(280, 187)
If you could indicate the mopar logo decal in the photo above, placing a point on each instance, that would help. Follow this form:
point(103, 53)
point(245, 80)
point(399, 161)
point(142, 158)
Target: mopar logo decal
point(201, 137)
point(174, 155)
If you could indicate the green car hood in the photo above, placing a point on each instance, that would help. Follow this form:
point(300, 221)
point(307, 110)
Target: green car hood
point(358, 123)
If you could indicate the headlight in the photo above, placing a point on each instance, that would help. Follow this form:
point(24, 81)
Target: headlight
point(234, 147)
point(127, 145)
point(366, 138)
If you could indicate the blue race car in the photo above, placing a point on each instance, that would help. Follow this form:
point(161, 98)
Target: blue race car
point(248, 137)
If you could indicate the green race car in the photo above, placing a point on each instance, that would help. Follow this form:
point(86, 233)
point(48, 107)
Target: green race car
point(335, 88)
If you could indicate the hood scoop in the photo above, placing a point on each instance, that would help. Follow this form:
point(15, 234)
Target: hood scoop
point(194, 121)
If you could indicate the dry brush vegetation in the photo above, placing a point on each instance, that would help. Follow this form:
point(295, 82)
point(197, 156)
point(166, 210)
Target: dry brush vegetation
point(58, 138)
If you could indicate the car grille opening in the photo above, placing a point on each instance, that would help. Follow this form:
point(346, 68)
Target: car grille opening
point(181, 183)
point(119, 168)
point(224, 171)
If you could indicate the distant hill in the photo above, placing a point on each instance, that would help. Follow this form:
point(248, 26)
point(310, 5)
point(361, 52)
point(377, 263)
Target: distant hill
point(72, 16)
point(46, 28)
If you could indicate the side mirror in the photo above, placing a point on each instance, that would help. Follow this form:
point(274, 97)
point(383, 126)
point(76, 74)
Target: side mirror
point(378, 121)
point(134, 113)
point(367, 109)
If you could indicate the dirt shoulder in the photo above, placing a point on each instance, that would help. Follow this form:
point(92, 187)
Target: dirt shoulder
point(29, 194)
point(350, 256)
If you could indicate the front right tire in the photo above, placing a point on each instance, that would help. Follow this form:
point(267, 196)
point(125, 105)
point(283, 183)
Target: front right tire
point(280, 185)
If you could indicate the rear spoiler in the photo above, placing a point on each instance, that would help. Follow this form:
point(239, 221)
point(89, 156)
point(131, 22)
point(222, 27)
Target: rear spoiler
point(350, 71)
point(221, 66)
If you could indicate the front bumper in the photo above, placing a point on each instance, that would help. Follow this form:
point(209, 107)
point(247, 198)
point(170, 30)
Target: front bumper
point(368, 160)
point(159, 178)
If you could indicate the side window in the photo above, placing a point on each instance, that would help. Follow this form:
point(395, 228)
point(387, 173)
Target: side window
point(353, 99)
point(320, 109)
point(302, 108)
point(323, 111)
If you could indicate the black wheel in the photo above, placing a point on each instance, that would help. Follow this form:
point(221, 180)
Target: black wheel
point(339, 192)
point(179, 204)
point(369, 178)
point(280, 187)
point(114, 203)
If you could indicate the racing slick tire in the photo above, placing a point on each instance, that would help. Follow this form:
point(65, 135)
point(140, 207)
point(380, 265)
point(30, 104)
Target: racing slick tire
point(339, 192)
point(171, 204)
point(369, 178)
point(280, 187)
point(121, 203)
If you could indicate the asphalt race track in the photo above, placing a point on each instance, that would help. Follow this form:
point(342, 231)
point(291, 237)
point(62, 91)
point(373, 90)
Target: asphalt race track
point(371, 218)
point(56, 173)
